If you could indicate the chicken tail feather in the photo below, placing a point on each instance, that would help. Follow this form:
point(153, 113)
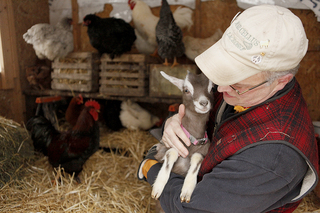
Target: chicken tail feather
point(41, 131)
point(183, 17)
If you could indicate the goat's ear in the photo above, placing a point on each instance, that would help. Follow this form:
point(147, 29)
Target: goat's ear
point(176, 81)
point(210, 86)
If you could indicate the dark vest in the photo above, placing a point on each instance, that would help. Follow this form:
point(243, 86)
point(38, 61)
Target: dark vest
point(282, 119)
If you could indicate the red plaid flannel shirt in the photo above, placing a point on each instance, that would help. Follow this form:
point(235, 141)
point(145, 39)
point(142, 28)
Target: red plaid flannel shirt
point(284, 119)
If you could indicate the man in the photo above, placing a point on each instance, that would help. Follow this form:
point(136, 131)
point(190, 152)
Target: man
point(263, 155)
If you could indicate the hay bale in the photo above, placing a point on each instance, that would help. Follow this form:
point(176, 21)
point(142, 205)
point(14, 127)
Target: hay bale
point(16, 150)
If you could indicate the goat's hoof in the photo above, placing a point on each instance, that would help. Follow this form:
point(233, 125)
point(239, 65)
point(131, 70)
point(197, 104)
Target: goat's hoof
point(157, 189)
point(155, 196)
point(183, 199)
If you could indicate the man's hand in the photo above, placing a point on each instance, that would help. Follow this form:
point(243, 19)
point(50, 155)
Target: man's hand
point(173, 131)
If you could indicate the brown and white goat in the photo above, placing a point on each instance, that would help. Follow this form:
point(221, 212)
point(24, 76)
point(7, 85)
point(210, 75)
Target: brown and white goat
point(197, 96)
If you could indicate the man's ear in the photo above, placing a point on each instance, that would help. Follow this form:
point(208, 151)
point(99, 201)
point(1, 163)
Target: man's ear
point(282, 81)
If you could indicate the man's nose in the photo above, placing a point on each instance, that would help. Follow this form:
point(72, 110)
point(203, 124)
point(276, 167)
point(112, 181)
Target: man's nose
point(224, 89)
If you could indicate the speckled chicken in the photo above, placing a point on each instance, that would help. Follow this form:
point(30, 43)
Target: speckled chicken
point(145, 23)
point(51, 42)
point(169, 36)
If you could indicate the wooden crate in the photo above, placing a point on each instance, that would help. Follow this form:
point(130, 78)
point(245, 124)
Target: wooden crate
point(161, 87)
point(79, 71)
point(124, 76)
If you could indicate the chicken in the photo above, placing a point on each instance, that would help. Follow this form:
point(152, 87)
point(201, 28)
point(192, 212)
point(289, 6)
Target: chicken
point(195, 46)
point(39, 77)
point(134, 117)
point(145, 24)
point(112, 36)
point(70, 149)
point(74, 109)
point(169, 36)
point(51, 42)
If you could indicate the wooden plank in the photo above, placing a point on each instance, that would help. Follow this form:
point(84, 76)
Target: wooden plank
point(197, 19)
point(123, 74)
point(145, 99)
point(89, 87)
point(82, 55)
point(72, 76)
point(76, 28)
point(9, 46)
point(105, 66)
point(72, 65)
point(75, 71)
point(125, 57)
point(137, 82)
point(82, 60)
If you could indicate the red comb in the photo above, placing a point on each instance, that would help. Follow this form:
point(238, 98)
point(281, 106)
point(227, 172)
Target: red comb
point(81, 98)
point(93, 103)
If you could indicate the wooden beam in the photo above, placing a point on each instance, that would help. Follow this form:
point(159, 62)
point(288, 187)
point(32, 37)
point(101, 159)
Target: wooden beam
point(64, 93)
point(9, 45)
point(76, 27)
point(197, 19)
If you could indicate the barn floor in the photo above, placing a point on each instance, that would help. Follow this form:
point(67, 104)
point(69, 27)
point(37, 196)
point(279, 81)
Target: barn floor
point(108, 182)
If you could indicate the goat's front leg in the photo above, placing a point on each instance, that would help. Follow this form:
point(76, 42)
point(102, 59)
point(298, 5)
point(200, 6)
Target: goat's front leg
point(190, 181)
point(170, 158)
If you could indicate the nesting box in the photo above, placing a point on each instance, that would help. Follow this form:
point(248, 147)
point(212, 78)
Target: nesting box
point(124, 76)
point(161, 87)
point(79, 71)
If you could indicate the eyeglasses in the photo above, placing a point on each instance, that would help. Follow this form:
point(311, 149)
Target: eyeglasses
point(240, 93)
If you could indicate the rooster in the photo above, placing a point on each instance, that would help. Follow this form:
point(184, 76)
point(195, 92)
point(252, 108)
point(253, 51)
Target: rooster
point(72, 148)
point(51, 42)
point(196, 46)
point(169, 36)
point(145, 24)
point(112, 36)
point(74, 109)
point(134, 117)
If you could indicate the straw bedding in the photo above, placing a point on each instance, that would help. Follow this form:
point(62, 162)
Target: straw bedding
point(108, 182)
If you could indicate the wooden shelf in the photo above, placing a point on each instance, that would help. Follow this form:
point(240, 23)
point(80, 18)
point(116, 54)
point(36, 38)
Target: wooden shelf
point(148, 99)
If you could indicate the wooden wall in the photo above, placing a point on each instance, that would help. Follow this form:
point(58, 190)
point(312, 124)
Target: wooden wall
point(26, 14)
point(211, 16)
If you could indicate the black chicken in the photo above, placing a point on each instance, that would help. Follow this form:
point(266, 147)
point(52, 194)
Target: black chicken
point(109, 35)
point(70, 149)
point(168, 35)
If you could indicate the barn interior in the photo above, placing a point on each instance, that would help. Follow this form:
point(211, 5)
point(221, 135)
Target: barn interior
point(108, 181)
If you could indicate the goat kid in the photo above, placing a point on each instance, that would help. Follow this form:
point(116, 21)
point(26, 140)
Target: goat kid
point(197, 96)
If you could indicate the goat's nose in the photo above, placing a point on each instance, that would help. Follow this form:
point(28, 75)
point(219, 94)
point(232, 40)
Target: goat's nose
point(204, 103)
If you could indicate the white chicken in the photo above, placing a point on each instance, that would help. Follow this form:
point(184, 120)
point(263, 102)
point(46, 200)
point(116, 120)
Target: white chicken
point(51, 42)
point(196, 46)
point(134, 117)
point(145, 24)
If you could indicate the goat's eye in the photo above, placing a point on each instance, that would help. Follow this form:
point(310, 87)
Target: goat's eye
point(186, 91)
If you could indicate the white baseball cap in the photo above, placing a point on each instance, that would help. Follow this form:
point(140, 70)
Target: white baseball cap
point(261, 38)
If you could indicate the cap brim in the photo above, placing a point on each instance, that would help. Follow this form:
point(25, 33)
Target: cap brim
point(221, 68)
